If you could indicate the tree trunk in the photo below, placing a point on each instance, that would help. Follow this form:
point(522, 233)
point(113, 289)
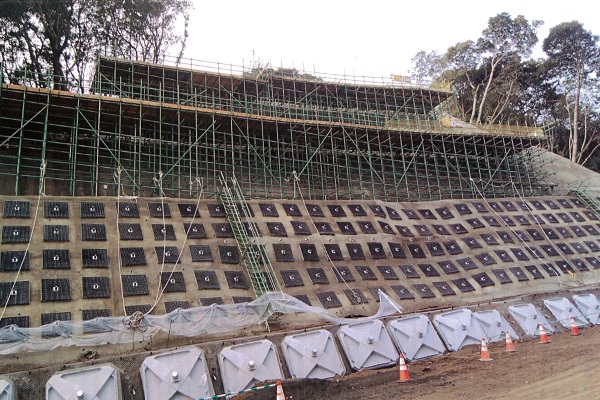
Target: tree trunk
point(575, 131)
point(487, 88)
point(59, 75)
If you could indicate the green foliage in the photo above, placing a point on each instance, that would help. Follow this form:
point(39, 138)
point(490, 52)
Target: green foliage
point(572, 50)
point(495, 82)
point(55, 41)
point(484, 72)
point(573, 62)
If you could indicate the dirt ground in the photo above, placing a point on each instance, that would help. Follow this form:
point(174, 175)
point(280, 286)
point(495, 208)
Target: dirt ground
point(568, 367)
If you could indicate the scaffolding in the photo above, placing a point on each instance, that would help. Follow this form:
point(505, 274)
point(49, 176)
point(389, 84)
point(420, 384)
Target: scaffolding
point(345, 137)
point(254, 256)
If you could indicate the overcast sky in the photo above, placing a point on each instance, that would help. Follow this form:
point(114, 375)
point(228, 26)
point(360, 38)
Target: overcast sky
point(368, 37)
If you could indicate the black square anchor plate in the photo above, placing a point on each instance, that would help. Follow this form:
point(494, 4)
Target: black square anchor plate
point(402, 292)
point(194, 231)
point(444, 288)
point(423, 290)
point(463, 285)
point(355, 296)
point(409, 271)
point(448, 267)
point(317, 276)
point(355, 250)
point(387, 272)
point(91, 210)
point(518, 273)
point(376, 250)
point(236, 280)
point(301, 228)
point(397, 251)
point(291, 210)
point(483, 279)
point(502, 275)
point(309, 252)
point(329, 299)
point(343, 274)
point(159, 210)
point(291, 278)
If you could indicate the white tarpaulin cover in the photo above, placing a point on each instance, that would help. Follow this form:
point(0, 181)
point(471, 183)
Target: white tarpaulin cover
point(189, 322)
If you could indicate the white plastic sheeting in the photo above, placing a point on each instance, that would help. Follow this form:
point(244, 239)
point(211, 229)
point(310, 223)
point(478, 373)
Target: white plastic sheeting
point(176, 375)
point(494, 325)
point(367, 345)
point(244, 365)
point(312, 355)
point(458, 328)
point(529, 318)
point(589, 306)
point(98, 382)
point(8, 391)
point(563, 310)
point(416, 338)
point(189, 322)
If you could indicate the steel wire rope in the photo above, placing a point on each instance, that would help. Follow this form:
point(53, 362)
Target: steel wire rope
point(158, 182)
point(162, 289)
point(35, 216)
point(117, 179)
point(297, 182)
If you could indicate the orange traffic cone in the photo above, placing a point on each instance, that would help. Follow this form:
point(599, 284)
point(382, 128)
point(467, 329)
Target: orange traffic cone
point(404, 375)
point(543, 336)
point(510, 346)
point(280, 395)
point(574, 328)
point(485, 353)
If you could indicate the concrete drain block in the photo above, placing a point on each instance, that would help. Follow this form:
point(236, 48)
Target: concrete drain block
point(529, 318)
point(458, 328)
point(243, 365)
point(494, 325)
point(563, 310)
point(589, 305)
point(367, 345)
point(8, 391)
point(100, 382)
point(177, 373)
point(415, 337)
point(312, 355)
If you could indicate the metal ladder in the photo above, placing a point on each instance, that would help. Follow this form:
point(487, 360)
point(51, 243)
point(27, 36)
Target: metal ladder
point(588, 199)
point(253, 255)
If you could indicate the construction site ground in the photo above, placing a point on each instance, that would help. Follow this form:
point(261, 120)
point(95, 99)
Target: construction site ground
point(566, 368)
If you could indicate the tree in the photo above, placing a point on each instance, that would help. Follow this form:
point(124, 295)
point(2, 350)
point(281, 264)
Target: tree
point(36, 33)
point(484, 73)
point(505, 40)
point(573, 59)
point(63, 36)
point(143, 29)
